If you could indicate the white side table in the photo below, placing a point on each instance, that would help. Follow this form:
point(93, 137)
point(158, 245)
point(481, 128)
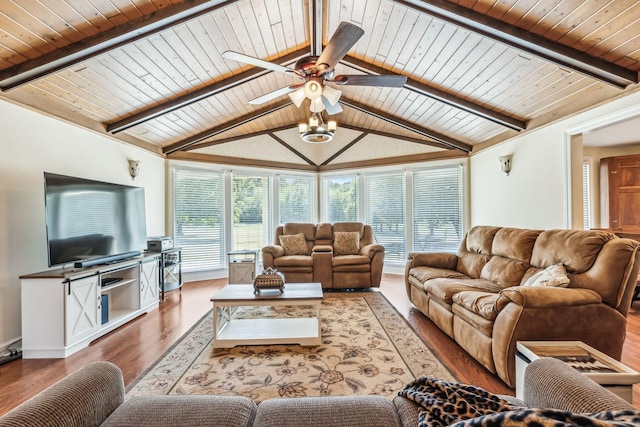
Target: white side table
point(242, 266)
point(596, 365)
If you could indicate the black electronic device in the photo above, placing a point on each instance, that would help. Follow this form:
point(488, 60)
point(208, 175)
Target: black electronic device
point(92, 222)
point(106, 281)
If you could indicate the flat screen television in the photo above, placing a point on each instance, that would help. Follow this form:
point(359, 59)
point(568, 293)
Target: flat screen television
point(92, 222)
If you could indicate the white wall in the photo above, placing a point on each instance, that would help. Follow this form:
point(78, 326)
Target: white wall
point(537, 192)
point(33, 143)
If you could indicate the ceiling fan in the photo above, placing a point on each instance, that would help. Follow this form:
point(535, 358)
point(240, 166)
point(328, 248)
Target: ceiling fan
point(315, 71)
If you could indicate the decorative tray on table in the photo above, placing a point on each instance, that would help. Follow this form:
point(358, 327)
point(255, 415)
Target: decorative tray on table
point(268, 279)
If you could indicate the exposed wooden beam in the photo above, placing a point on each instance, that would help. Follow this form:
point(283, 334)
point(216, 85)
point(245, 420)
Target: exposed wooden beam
point(240, 161)
point(290, 148)
point(397, 121)
point(442, 96)
point(200, 94)
point(116, 37)
point(221, 141)
point(428, 142)
point(345, 148)
point(413, 158)
point(533, 44)
point(188, 142)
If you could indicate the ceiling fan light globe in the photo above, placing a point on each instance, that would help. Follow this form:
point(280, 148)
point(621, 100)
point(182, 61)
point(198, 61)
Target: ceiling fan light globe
point(317, 105)
point(332, 95)
point(298, 97)
point(313, 89)
point(302, 127)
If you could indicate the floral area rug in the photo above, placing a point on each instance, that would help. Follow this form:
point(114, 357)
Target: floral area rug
point(367, 348)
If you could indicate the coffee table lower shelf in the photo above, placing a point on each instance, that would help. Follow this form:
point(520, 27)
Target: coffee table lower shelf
point(230, 331)
point(268, 331)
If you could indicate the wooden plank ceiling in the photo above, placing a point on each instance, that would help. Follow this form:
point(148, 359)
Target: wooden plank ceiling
point(151, 72)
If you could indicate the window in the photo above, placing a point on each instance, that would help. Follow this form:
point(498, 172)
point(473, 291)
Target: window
point(437, 209)
point(342, 198)
point(384, 210)
point(296, 197)
point(586, 194)
point(251, 201)
point(198, 206)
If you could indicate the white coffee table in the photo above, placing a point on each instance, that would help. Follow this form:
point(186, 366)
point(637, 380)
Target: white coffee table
point(229, 332)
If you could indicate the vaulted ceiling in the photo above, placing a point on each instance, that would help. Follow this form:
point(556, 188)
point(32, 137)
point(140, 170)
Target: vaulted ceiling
point(151, 72)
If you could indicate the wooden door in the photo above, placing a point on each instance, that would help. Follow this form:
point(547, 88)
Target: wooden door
point(620, 189)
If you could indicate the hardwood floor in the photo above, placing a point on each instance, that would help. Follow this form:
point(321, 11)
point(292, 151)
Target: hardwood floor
point(135, 346)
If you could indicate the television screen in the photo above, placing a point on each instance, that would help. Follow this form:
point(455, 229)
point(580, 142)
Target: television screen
point(92, 222)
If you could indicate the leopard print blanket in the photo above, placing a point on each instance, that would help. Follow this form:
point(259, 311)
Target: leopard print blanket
point(444, 403)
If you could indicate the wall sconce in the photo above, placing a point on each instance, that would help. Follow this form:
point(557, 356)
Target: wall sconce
point(134, 168)
point(505, 163)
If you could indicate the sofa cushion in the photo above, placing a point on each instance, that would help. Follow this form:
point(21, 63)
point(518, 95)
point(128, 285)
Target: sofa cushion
point(294, 244)
point(504, 271)
point(294, 263)
point(514, 243)
point(186, 410)
point(444, 289)
point(351, 260)
point(471, 263)
point(554, 275)
point(479, 239)
point(327, 411)
point(577, 250)
point(424, 273)
point(346, 243)
point(481, 303)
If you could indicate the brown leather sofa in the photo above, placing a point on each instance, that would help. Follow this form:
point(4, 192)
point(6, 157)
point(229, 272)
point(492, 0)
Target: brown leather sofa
point(478, 296)
point(321, 262)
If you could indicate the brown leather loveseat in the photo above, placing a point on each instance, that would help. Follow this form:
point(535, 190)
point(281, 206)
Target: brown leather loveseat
point(486, 297)
point(342, 255)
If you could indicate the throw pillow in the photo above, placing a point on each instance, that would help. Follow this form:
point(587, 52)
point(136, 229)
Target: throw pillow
point(554, 275)
point(346, 243)
point(294, 244)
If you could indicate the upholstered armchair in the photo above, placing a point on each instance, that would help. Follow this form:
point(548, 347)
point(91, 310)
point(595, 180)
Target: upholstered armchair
point(342, 255)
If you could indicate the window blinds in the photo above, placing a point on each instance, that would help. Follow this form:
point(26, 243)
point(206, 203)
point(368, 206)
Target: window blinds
point(251, 211)
point(384, 210)
point(198, 210)
point(342, 198)
point(437, 209)
point(296, 195)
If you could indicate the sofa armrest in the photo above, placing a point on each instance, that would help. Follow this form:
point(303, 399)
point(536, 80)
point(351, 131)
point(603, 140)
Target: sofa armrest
point(546, 297)
point(551, 383)
point(322, 248)
point(444, 260)
point(371, 250)
point(274, 250)
point(84, 398)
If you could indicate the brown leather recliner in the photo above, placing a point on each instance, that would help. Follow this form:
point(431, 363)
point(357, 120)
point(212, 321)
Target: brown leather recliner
point(321, 263)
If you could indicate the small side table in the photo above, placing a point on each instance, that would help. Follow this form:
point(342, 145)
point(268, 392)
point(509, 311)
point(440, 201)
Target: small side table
point(242, 266)
point(604, 370)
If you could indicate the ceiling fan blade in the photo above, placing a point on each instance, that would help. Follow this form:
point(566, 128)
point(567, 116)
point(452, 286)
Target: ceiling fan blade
point(331, 109)
point(241, 57)
point(367, 80)
point(272, 95)
point(343, 39)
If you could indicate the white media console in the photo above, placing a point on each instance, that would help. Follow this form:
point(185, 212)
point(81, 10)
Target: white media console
point(64, 310)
